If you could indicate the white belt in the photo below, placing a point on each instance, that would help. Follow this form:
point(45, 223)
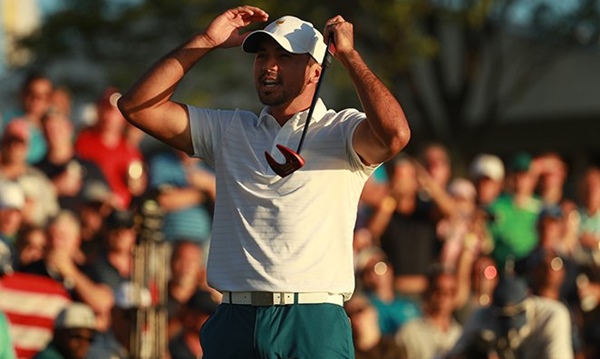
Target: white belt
point(268, 298)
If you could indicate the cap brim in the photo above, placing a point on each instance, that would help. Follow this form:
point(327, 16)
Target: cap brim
point(253, 40)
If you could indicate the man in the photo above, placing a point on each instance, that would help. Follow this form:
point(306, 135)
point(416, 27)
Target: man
point(434, 334)
point(74, 330)
point(516, 325)
point(277, 241)
point(197, 310)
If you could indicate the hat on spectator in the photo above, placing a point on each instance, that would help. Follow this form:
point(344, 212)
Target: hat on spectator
point(509, 300)
point(463, 188)
point(96, 191)
point(129, 295)
point(294, 35)
point(202, 301)
point(487, 165)
point(12, 195)
point(16, 129)
point(120, 219)
point(76, 316)
point(551, 211)
point(521, 162)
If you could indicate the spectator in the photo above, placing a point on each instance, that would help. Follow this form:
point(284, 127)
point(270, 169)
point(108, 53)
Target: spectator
point(97, 203)
point(369, 342)
point(403, 226)
point(7, 350)
point(12, 201)
point(517, 325)
point(197, 310)
point(35, 96)
point(487, 173)
point(115, 343)
point(30, 246)
point(434, 334)
point(64, 263)
point(477, 277)
point(68, 173)
point(186, 193)
point(114, 265)
point(74, 330)
point(188, 274)
point(41, 202)
point(377, 279)
point(515, 214)
point(553, 172)
point(104, 144)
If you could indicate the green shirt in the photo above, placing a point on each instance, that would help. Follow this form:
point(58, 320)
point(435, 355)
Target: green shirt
point(49, 353)
point(6, 347)
point(514, 228)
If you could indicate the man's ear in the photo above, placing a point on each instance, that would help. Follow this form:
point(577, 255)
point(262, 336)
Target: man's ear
point(315, 73)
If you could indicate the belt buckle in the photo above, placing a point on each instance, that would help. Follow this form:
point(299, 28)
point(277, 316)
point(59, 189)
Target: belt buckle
point(262, 299)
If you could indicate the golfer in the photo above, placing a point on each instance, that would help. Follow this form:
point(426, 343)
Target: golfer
point(281, 248)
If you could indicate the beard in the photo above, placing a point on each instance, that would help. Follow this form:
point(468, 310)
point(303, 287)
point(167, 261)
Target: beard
point(278, 96)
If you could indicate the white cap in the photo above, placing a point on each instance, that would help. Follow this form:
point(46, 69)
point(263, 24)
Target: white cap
point(75, 315)
point(294, 35)
point(486, 165)
point(463, 188)
point(11, 195)
point(128, 295)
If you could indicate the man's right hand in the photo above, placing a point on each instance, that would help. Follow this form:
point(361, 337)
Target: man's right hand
point(224, 30)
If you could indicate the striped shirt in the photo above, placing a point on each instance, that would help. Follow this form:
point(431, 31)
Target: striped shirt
point(291, 234)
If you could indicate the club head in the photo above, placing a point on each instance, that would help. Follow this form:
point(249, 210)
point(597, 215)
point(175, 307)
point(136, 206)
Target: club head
point(293, 161)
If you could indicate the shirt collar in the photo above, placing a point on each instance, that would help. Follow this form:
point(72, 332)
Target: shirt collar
point(317, 115)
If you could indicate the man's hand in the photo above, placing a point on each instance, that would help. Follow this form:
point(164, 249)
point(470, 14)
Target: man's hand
point(224, 30)
point(343, 35)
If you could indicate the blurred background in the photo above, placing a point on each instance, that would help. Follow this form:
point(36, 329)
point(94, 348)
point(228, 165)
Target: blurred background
point(496, 76)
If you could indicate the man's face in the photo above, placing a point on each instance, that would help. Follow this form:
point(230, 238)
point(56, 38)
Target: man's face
point(279, 76)
point(36, 97)
point(75, 343)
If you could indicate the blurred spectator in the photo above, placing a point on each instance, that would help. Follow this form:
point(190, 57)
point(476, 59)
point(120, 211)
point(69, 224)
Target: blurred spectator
point(114, 265)
point(553, 172)
point(64, 263)
point(7, 350)
point(41, 202)
point(517, 325)
point(12, 201)
point(436, 160)
point(587, 255)
point(477, 278)
point(188, 274)
point(68, 173)
point(434, 334)
point(74, 330)
point(115, 343)
point(369, 342)
point(30, 245)
point(186, 193)
point(104, 144)
point(487, 173)
point(403, 226)
point(515, 213)
point(97, 203)
point(35, 97)
point(547, 278)
point(377, 283)
point(197, 310)
point(61, 100)
point(465, 228)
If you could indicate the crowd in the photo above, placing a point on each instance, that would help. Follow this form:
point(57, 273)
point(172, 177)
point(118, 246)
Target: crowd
point(499, 263)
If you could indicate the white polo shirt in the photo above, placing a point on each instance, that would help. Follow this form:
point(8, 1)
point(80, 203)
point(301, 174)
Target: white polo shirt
point(291, 234)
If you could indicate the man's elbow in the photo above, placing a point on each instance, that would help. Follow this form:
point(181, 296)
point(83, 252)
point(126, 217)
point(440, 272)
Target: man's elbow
point(399, 141)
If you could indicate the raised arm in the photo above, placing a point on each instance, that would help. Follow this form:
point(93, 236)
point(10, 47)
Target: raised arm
point(386, 131)
point(148, 104)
